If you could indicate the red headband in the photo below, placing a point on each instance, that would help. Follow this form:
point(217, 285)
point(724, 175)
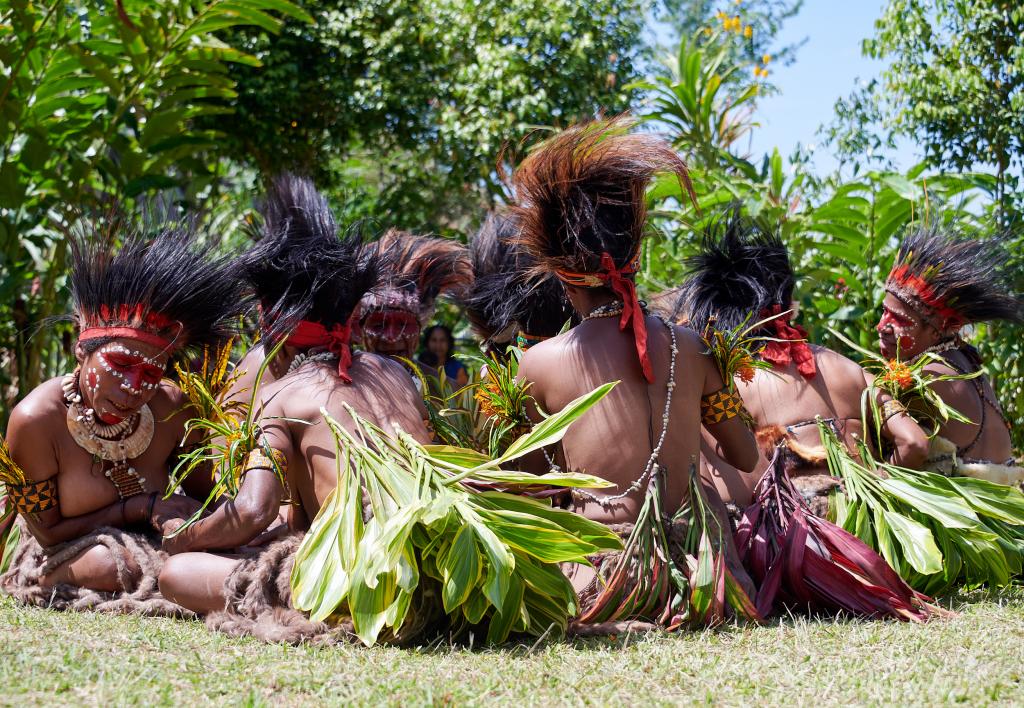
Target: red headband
point(793, 349)
point(616, 279)
point(128, 322)
point(918, 288)
point(336, 339)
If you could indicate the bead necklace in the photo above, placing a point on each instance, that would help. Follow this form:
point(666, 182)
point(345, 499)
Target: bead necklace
point(940, 348)
point(609, 309)
point(607, 502)
point(301, 359)
point(119, 447)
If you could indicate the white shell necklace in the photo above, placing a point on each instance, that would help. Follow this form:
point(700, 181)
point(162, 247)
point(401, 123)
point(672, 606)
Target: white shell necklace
point(111, 443)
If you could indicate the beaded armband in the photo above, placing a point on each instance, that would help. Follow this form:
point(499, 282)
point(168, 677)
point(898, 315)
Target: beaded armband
point(720, 406)
point(892, 407)
point(258, 460)
point(33, 497)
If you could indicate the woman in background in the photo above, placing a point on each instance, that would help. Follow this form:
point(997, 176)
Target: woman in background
point(436, 354)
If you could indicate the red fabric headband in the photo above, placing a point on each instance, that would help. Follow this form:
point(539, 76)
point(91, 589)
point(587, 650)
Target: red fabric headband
point(336, 339)
point(140, 335)
point(615, 278)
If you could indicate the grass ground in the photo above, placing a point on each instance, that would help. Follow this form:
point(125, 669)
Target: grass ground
point(977, 658)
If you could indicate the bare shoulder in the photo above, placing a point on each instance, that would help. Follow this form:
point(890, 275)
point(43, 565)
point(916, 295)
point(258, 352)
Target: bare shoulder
point(40, 406)
point(169, 400)
point(833, 361)
point(538, 359)
point(689, 342)
point(33, 426)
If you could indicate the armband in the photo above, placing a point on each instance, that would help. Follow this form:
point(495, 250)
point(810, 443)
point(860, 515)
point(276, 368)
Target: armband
point(892, 407)
point(258, 460)
point(33, 497)
point(720, 406)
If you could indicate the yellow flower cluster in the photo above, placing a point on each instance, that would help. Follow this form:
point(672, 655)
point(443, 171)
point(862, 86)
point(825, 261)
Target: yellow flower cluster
point(761, 72)
point(734, 24)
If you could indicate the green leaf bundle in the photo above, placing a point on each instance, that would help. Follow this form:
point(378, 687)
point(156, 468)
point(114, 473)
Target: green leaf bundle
point(494, 556)
point(937, 532)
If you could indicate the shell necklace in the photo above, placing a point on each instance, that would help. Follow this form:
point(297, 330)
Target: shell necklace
point(112, 443)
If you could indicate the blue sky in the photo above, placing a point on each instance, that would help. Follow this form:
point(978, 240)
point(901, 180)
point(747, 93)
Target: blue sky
point(826, 68)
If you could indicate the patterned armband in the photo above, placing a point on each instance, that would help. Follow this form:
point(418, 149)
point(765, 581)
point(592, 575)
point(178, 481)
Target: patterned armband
point(258, 460)
point(33, 497)
point(892, 407)
point(720, 406)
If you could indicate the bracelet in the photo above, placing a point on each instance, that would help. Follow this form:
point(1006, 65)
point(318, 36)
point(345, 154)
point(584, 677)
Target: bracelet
point(152, 503)
point(892, 407)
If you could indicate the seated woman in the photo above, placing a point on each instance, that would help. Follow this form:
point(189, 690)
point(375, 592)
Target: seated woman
point(436, 354)
point(90, 451)
point(327, 274)
point(742, 275)
point(939, 284)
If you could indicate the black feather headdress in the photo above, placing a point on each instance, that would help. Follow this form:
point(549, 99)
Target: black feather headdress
point(952, 280)
point(303, 268)
point(161, 286)
point(741, 270)
point(507, 294)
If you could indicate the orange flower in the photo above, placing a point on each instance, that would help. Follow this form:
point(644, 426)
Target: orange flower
point(483, 397)
point(746, 373)
point(899, 374)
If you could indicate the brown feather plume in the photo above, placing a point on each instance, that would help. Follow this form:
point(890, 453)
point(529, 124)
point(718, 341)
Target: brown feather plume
point(583, 192)
point(430, 266)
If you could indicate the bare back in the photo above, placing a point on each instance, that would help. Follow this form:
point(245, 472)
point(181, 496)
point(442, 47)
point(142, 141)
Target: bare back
point(381, 392)
point(614, 440)
point(782, 397)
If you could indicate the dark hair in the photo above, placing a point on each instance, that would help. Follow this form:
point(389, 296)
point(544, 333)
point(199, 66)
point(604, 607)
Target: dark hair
point(507, 293)
point(303, 268)
point(972, 276)
point(428, 357)
point(424, 265)
point(583, 193)
point(161, 279)
point(741, 269)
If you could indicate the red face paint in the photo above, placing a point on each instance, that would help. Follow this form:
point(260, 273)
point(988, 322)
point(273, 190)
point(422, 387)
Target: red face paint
point(134, 369)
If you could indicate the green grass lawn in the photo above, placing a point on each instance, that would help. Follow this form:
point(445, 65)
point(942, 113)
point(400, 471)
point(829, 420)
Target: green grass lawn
point(978, 657)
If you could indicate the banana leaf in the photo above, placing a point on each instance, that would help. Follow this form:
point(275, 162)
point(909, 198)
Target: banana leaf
point(672, 572)
point(937, 532)
point(404, 520)
point(10, 533)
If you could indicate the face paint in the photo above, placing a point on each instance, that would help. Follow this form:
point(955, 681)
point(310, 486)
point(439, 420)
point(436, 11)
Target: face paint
point(120, 369)
point(899, 331)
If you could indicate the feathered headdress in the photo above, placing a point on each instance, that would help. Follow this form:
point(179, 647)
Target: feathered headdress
point(952, 280)
point(308, 277)
point(740, 275)
point(582, 209)
point(414, 271)
point(507, 294)
point(166, 289)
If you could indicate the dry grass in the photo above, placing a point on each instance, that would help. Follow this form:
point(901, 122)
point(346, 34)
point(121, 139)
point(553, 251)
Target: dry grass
point(977, 658)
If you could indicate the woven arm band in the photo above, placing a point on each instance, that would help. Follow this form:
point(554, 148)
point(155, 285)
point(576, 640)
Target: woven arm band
point(720, 406)
point(258, 460)
point(33, 497)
